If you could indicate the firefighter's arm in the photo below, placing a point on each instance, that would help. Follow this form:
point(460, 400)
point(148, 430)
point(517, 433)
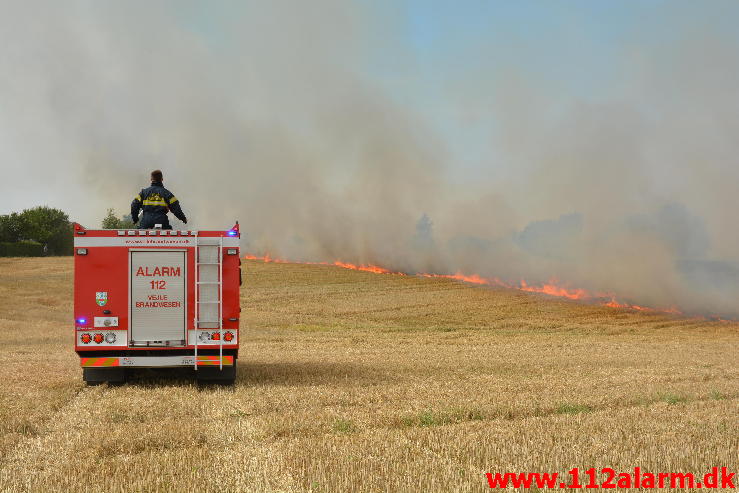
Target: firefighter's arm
point(135, 208)
point(174, 206)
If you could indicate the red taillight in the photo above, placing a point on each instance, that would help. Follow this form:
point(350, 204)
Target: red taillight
point(85, 338)
point(228, 336)
point(98, 338)
point(215, 336)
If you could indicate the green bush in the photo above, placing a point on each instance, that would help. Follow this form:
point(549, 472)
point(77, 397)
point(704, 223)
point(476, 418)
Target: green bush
point(21, 249)
point(49, 226)
point(111, 221)
point(39, 225)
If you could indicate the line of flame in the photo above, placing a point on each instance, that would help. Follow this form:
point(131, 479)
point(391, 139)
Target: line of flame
point(375, 269)
point(551, 288)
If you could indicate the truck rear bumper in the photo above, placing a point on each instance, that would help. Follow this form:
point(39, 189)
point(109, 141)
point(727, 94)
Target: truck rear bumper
point(155, 361)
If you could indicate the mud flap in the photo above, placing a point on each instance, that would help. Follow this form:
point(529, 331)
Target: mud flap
point(96, 376)
point(212, 374)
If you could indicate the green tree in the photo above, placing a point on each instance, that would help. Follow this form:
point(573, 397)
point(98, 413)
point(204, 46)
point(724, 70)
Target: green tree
point(13, 228)
point(50, 227)
point(111, 221)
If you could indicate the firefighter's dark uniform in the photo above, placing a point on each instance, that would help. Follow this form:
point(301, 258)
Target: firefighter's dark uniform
point(156, 201)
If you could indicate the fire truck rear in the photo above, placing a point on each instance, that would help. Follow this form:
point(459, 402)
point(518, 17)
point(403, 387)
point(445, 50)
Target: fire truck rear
point(156, 298)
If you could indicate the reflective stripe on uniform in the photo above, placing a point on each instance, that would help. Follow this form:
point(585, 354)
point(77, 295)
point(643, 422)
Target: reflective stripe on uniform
point(138, 197)
point(155, 202)
point(173, 199)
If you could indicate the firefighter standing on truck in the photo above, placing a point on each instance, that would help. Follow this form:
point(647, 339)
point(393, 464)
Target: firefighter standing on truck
point(156, 201)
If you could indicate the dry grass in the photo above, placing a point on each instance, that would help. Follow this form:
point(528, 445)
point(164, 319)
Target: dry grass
point(352, 381)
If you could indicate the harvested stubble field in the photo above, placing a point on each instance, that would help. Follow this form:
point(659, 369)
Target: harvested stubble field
point(351, 381)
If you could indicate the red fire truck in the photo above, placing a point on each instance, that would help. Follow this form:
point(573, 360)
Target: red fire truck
point(156, 298)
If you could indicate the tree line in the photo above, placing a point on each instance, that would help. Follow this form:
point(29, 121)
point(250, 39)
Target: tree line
point(35, 232)
point(44, 230)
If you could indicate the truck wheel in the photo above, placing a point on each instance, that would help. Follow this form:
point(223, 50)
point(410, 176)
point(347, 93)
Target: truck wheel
point(96, 376)
point(209, 374)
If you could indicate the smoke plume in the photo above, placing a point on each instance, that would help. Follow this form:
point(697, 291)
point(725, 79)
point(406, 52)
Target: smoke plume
point(283, 115)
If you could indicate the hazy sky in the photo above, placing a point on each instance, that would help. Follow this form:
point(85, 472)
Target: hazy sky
point(444, 61)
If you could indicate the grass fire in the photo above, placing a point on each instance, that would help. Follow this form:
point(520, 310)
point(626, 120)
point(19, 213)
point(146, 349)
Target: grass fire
point(338, 246)
point(552, 288)
point(356, 381)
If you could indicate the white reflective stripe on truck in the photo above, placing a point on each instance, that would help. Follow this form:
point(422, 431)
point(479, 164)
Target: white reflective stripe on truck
point(153, 361)
point(146, 241)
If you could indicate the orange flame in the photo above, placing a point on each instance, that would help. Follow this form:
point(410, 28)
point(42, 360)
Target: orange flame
point(366, 268)
point(473, 279)
point(376, 269)
point(551, 288)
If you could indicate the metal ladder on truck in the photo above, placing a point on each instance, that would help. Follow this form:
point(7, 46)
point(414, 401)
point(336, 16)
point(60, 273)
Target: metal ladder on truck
point(209, 290)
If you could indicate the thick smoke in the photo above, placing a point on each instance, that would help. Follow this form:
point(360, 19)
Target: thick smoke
point(273, 114)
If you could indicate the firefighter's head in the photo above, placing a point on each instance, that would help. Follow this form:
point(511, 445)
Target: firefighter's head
point(156, 176)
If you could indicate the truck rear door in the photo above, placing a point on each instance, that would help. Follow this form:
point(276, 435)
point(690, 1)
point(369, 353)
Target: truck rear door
point(158, 281)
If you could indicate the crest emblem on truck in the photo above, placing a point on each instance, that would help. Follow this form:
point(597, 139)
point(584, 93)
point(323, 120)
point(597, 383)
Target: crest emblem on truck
point(101, 298)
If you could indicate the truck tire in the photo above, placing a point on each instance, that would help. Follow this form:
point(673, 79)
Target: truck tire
point(209, 374)
point(96, 376)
